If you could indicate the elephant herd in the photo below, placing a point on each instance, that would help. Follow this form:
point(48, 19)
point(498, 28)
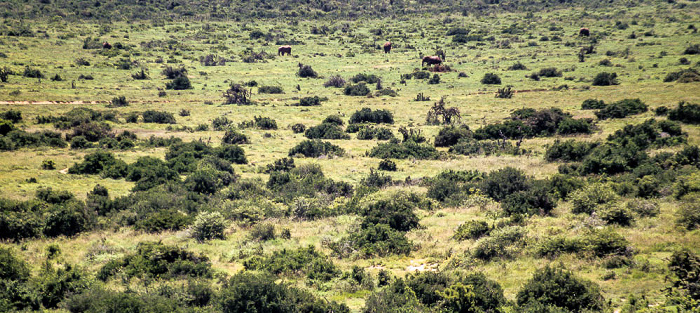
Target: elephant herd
point(430, 60)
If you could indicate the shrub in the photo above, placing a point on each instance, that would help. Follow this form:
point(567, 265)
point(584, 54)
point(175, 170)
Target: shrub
point(622, 108)
point(32, 73)
point(592, 104)
point(367, 78)
point(616, 214)
point(473, 229)
point(316, 148)
point(14, 116)
point(265, 123)
point(12, 267)
point(397, 214)
point(491, 79)
point(380, 240)
point(119, 102)
point(356, 90)
point(531, 202)
point(605, 242)
point(298, 128)
point(234, 137)
point(428, 285)
point(237, 94)
point(502, 242)
point(335, 81)
point(172, 73)
point(333, 119)
point(280, 165)
point(404, 150)
point(688, 216)
point(686, 113)
point(450, 135)
point(591, 197)
point(231, 153)
point(220, 123)
point(501, 183)
point(249, 292)
point(559, 287)
point(692, 49)
point(156, 260)
point(684, 265)
point(270, 89)
point(263, 232)
point(159, 117)
point(397, 297)
point(434, 80)
point(568, 151)
point(367, 115)
point(683, 76)
point(605, 79)
point(570, 126)
point(517, 67)
point(552, 247)
point(80, 142)
point(305, 71)
point(387, 165)
point(309, 101)
point(96, 163)
point(179, 83)
point(68, 219)
point(549, 72)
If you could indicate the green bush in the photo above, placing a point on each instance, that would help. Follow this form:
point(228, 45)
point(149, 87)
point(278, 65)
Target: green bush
point(156, 260)
point(605, 79)
point(209, 225)
point(612, 159)
point(316, 148)
point(605, 242)
point(298, 128)
point(395, 298)
point(684, 265)
point(367, 115)
point(14, 116)
point(264, 123)
point(450, 135)
point(689, 216)
point(534, 201)
point(179, 83)
point(362, 77)
point(387, 165)
point(263, 232)
point(326, 131)
point(404, 150)
point(591, 197)
point(473, 229)
point(378, 240)
point(12, 267)
point(616, 214)
point(592, 104)
point(305, 71)
point(305, 261)
point(501, 183)
point(100, 162)
point(559, 287)
point(397, 214)
point(356, 90)
point(234, 137)
point(375, 179)
point(249, 292)
point(68, 219)
point(568, 151)
point(309, 101)
point(683, 76)
point(220, 123)
point(160, 117)
point(552, 247)
point(428, 285)
point(270, 89)
point(686, 113)
point(491, 79)
point(549, 72)
point(622, 109)
point(501, 243)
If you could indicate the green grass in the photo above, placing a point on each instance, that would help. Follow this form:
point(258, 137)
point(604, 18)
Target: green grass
point(653, 239)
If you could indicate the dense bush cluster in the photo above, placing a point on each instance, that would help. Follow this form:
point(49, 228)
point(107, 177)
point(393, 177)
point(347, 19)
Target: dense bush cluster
point(686, 113)
point(316, 148)
point(531, 123)
point(326, 131)
point(367, 115)
point(621, 109)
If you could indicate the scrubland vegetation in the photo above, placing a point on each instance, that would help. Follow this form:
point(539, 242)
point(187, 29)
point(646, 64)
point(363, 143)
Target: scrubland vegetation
point(165, 157)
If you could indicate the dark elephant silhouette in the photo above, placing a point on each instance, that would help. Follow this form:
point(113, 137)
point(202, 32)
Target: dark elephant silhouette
point(387, 47)
point(284, 49)
point(584, 32)
point(106, 45)
point(431, 60)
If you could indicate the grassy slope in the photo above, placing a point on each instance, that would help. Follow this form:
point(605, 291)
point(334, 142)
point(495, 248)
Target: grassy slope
point(653, 239)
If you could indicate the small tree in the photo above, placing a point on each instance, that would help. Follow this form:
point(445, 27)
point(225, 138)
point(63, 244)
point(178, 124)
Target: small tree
point(179, 83)
point(491, 79)
point(439, 114)
point(4, 73)
point(209, 225)
point(605, 79)
point(237, 94)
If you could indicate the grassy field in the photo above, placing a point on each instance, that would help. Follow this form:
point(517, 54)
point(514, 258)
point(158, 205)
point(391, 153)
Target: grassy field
point(641, 54)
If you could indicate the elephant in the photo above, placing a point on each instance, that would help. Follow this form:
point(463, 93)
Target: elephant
point(284, 49)
point(431, 60)
point(387, 47)
point(584, 32)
